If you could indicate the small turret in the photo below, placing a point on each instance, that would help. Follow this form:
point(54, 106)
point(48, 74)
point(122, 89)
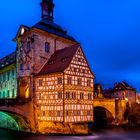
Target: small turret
point(47, 10)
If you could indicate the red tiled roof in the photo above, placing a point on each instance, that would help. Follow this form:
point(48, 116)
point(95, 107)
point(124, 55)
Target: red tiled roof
point(59, 61)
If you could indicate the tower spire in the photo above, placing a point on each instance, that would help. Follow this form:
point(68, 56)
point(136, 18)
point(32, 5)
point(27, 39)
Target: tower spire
point(47, 10)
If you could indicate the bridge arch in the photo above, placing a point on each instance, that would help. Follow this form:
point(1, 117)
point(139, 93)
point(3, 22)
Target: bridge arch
point(102, 116)
point(13, 121)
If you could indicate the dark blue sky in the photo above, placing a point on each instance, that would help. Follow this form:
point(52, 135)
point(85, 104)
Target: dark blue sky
point(109, 31)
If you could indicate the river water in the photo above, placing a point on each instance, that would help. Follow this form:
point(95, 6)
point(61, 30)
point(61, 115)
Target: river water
point(100, 134)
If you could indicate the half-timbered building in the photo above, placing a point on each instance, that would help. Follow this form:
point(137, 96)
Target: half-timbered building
point(64, 87)
point(52, 75)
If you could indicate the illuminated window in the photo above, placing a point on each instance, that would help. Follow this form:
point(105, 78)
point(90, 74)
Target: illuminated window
point(13, 93)
point(59, 95)
point(84, 71)
point(88, 83)
point(40, 96)
point(67, 113)
point(89, 96)
point(88, 113)
point(69, 80)
point(75, 70)
point(47, 47)
point(67, 95)
point(40, 82)
point(78, 112)
point(79, 81)
point(43, 113)
point(73, 95)
point(75, 112)
point(59, 80)
point(79, 59)
point(22, 31)
point(58, 114)
point(81, 96)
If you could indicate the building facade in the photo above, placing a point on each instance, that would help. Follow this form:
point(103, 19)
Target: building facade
point(8, 83)
point(124, 91)
point(49, 69)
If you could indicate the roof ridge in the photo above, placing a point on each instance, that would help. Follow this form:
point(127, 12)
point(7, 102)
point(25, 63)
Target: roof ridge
point(8, 60)
point(14, 52)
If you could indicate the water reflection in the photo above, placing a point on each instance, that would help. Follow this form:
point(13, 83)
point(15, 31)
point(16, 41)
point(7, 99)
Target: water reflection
point(100, 134)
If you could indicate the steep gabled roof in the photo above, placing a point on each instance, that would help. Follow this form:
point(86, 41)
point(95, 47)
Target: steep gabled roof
point(52, 28)
point(122, 86)
point(8, 60)
point(59, 61)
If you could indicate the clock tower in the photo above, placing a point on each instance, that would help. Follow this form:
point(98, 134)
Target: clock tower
point(47, 9)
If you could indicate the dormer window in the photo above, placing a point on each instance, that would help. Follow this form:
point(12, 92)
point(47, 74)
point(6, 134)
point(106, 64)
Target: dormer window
point(64, 59)
point(51, 62)
point(47, 47)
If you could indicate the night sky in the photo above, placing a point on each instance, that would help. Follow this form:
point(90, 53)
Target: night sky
point(109, 31)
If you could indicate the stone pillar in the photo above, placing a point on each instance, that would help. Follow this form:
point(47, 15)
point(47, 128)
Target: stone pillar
point(120, 106)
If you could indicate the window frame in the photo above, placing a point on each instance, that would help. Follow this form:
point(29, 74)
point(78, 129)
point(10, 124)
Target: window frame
point(47, 47)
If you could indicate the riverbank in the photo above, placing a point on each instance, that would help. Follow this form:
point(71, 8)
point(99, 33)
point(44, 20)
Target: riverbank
point(21, 133)
point(115, 133)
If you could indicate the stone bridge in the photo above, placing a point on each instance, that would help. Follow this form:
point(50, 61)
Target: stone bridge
point(22, 116)
point(17, 116)
point(113, 109)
